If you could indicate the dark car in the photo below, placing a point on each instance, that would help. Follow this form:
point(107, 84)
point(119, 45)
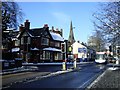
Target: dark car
point(112, 60)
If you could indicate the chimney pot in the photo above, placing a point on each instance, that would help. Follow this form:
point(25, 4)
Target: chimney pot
point(21, 27)
point(52, 28)
point(45, 25)
point(27, 20)
point(56, 29)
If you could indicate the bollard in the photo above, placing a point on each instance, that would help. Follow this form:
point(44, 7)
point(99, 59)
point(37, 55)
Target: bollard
point(64, 65)
point(117, 61)
point(75, 64)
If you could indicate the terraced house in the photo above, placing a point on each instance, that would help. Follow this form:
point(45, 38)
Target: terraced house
point(39, 44)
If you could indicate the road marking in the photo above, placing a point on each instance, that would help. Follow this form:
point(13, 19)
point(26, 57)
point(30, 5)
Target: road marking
point(94, 81)
point(82, 86)
point(98, 78)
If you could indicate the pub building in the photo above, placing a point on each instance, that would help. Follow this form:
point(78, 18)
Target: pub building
point(40, 44)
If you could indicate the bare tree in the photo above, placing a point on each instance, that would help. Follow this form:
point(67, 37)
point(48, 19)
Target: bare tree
point(97, 41)
point(108, 21)
point(11, 15)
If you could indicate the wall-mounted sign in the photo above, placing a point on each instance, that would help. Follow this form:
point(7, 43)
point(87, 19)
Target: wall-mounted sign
point(82, 50)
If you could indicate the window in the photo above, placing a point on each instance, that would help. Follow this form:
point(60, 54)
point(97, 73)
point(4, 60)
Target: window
point(22, 40)
point(25, 40)
point(47, 55)
point(51, 43)
point(57, 44)
point(58, 56)
point(17, 43)
point(43, 55)
point(28, 40)
point(45, 41)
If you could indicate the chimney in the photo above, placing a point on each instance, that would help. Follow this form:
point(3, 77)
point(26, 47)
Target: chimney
point(21, 27)
point(61, 32)
point(27, 25)
point(52, 28)
point(46, 25)
point(78, 41)
point(57, 29)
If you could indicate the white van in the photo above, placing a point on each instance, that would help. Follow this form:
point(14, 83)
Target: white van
point(101, 57)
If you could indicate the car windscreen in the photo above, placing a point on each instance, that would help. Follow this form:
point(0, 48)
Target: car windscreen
point(100, 56)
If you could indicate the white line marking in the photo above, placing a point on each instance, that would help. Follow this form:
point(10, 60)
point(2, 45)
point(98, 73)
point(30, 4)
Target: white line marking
point(86, 82)
point(98, 78)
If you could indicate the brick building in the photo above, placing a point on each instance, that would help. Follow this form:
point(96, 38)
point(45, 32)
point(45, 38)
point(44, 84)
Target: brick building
point(39, 44)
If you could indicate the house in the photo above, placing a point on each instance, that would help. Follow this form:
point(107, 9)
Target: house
point(79, 51)
point(39, 44)
point(82, 52)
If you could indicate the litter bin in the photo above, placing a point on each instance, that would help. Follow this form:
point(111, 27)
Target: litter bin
point(18, 62)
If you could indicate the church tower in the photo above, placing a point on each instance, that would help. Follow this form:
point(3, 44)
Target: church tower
point(71, 38)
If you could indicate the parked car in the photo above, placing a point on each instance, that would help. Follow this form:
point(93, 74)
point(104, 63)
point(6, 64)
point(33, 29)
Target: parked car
point(112, 60)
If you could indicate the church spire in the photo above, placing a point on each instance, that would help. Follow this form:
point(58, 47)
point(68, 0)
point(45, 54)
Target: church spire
point(71, 38)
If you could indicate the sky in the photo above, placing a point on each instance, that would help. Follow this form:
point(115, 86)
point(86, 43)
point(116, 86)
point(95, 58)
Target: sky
point(60, 14)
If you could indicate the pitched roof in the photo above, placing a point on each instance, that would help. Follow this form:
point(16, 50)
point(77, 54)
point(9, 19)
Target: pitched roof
point(39, 32)
point(56, 37)
point(36, 31)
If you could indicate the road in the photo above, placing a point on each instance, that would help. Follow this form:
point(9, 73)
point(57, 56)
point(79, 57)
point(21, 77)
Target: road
point(76, 79)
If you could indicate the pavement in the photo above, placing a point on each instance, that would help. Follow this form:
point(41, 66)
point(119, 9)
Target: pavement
point(109, 79)
point(33, 67)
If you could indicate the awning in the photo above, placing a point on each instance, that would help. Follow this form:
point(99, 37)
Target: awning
point(52, 49)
